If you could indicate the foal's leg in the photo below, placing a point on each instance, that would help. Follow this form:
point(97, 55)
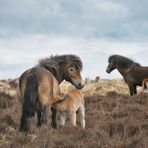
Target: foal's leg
point(63, 117)
point(53, 121)
point(72, 117)
point(81, 114)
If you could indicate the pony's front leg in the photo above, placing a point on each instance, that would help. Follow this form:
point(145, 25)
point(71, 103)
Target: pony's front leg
point(132, 89)
point(53, 120)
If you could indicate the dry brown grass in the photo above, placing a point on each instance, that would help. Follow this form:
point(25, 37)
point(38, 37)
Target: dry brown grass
point(113, 120)
point(100, 87)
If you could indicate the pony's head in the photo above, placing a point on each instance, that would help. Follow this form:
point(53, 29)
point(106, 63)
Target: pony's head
point(72, 72)
point(121, 63)
point(73, 76)
point(111, 64)
point(65, 67)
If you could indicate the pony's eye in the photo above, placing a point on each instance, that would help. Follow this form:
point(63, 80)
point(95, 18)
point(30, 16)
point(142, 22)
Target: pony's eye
point(71, 69)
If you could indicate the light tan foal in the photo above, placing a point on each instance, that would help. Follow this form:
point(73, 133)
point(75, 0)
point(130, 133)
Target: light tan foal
point(74, 102)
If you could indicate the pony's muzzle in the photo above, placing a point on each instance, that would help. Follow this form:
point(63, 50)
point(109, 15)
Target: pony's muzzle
point(79, 85)
point(108, 70)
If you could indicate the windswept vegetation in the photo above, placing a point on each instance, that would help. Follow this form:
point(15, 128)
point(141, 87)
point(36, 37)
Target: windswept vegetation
point(113, 119)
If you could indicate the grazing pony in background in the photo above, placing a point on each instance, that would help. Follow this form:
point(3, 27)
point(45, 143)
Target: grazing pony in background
point(133, 73)
point(39, 87)
point(73, 102)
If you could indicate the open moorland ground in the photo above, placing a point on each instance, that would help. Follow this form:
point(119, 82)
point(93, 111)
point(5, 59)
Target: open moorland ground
point(113, 119)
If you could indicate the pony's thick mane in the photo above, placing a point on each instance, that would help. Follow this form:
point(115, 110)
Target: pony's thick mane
point(123, 62)
point(53, 62)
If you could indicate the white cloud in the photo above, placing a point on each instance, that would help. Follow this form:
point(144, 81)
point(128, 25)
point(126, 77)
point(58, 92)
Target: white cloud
point(110, 6)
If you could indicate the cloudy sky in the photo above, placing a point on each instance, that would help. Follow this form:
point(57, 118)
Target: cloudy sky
point(92, 29)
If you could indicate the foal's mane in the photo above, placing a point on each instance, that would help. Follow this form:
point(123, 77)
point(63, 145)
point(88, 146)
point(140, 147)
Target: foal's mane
point(53, 63)
point(123, 62)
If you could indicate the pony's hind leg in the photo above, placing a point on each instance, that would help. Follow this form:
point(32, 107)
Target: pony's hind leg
point(54, 114)
point(39, 118)
point(81, 114)
point(42, 116)
point(45, 114)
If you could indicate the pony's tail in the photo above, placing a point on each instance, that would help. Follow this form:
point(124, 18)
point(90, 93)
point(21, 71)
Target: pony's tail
point(29, 101)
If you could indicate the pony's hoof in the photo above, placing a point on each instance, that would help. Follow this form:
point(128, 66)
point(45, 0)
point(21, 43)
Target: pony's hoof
point(44, 122)
point(23, 129)
point(38, 125)
point(54, 125)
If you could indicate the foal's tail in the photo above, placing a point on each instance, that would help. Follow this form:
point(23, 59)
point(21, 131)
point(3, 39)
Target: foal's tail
point(61, 100)
point(29, 101)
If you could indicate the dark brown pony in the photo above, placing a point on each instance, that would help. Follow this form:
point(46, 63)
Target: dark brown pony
point(39, 87)
point(133, 73)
